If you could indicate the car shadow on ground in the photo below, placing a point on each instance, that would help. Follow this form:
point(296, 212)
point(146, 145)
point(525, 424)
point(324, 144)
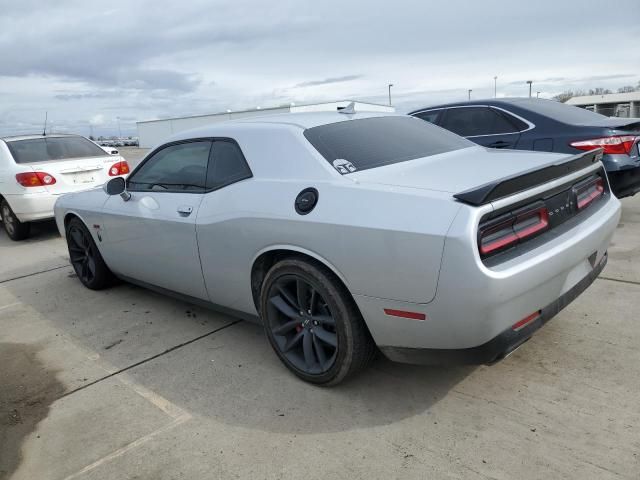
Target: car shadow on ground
point(235, 377)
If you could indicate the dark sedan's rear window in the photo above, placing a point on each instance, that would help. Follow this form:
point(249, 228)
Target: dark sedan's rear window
point(564, 113)
point(360, 144)
point(52, 148)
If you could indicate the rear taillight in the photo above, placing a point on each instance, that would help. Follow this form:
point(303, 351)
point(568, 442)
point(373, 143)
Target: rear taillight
point(35, 179)
point(120, 168)
point(506, 231)
point(617, 144)
point(587, 192)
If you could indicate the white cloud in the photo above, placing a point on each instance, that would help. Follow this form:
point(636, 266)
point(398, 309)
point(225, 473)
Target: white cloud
point(137, 61)
point(97, 120)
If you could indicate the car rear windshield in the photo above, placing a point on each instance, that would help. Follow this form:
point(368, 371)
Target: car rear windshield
point(360, 144)
point(46, 149)
point(566, 113)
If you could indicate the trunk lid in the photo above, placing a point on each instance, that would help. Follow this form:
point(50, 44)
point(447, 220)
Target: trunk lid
point(458, 170)
point(76, 174)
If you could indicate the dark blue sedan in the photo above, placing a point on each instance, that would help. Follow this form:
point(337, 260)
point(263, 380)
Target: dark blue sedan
point(548, 126)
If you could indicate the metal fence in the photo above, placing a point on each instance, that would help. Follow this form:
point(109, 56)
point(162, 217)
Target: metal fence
point(622, 110)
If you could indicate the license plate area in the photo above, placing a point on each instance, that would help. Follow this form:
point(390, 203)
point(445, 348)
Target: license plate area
point(83, 178)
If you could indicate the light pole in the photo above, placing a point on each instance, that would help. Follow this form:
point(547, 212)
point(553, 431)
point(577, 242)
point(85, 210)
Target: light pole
point(390, 85)
point(469, 92)
point(495, 86)
point(529, 82)
point(119, 131)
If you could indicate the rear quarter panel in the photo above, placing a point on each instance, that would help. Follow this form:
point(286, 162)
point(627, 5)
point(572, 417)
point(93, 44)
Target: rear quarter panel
point(382, 242)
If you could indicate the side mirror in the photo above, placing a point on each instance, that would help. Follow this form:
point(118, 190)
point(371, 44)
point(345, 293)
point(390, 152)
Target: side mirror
point(117, 186)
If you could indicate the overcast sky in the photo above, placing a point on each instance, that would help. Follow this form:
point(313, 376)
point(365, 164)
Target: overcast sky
point(90, 64)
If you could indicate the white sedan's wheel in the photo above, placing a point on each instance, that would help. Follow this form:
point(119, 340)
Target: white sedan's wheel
point(16, 229)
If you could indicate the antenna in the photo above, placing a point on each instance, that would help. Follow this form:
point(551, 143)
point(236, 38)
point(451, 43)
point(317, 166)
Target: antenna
point(44, 131)
point(351, 108)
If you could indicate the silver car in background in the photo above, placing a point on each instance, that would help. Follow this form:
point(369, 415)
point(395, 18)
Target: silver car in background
point(344, 233)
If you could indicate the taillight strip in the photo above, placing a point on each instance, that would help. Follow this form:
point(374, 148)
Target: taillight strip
point(593, 190)
point(509, 229)
point(512, 234)
point(615, 144)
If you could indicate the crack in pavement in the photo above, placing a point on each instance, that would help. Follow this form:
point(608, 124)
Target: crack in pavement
point(630, 282)
point(34, 273)
point(148, 359)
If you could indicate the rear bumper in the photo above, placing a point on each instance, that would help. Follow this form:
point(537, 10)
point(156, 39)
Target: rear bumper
point(625, 182)
point(498, 347)
point(30, 207)
point(476, 303)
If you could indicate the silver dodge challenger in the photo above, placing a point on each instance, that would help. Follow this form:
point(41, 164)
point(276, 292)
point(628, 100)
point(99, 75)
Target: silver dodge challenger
point(347, 233)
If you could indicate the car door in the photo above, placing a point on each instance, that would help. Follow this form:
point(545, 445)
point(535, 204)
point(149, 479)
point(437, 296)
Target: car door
point(152, 236)
point(481, 124)
point(223, 240)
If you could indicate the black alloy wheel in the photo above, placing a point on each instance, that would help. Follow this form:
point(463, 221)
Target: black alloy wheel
point(82, 254)
point(313, 323)
point(86, 258)
point(302, 325)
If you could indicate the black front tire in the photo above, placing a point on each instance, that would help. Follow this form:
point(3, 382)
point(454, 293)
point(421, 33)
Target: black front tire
point(16, 230)
point(86, 258)
point(341, 344)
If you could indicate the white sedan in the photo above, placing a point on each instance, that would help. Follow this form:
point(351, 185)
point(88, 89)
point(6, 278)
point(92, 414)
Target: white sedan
point(35, 170)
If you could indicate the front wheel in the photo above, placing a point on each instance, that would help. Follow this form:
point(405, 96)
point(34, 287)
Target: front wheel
point(16, 229)
point(313, 323)
point(85, 257)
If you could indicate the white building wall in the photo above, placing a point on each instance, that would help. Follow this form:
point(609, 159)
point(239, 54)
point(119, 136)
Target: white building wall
point(154, 132)
point(359, 106)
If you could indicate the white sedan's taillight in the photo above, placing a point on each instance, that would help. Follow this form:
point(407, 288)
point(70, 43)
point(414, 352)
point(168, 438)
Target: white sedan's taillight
point(35, 179)
point(120, 168)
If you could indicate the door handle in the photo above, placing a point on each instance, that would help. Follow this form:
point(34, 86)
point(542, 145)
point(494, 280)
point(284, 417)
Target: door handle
point(499, 144)
point(185, 210)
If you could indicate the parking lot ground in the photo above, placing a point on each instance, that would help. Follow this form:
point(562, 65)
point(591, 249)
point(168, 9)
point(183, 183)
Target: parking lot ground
point(126, 383)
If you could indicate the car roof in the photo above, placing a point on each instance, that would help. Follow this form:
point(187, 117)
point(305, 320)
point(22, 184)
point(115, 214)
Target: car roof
point(520, 101)
point(300, 120)
point(13, 138)
point(306, 120)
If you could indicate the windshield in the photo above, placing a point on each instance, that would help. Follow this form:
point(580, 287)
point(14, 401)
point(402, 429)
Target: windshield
point(53, 148)
point(360, 144)
point(566, 113)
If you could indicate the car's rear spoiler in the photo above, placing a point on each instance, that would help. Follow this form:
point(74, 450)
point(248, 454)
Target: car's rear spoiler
point(624, 124)
point(513, 184)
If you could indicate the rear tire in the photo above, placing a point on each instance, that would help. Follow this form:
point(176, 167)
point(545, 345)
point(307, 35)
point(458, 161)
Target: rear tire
point(313, 323)
point(85, 257)
point(16, 230)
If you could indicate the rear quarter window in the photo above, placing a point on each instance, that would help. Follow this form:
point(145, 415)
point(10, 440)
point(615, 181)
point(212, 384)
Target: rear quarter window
point(361, 144)
point(46, 149)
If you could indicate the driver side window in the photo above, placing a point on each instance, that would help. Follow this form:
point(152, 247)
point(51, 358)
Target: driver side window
point(177, 168)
